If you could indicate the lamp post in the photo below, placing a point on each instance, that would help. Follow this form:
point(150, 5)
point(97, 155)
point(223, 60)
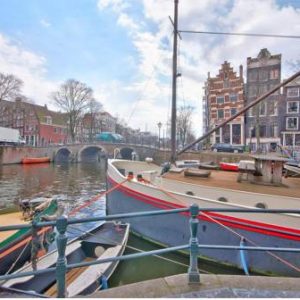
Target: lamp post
point(159, 124)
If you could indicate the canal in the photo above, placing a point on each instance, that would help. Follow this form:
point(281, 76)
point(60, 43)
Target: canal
point(72, 185)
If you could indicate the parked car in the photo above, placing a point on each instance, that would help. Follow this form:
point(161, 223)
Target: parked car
point(110, 137)
point(220, 147)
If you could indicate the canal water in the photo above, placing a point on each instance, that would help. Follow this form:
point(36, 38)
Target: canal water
point(72, 185)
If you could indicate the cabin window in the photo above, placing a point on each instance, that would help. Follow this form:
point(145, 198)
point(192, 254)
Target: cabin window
point(190, 193)
point(261, 205)
point(222, 199)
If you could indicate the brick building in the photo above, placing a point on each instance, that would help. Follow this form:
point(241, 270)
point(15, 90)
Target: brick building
point(263, 122)
point(224, 97)
point(37, 124)
point(290, 134)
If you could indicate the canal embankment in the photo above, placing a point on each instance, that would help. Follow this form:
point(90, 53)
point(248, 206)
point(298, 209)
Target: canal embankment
point(211, 286)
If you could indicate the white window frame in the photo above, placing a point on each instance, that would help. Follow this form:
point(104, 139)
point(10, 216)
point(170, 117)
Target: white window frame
point(220, 97)
point(294, 128)
point(218, 114)
point(265, 105)
point(287, 92)
point(275, 108)
point(287, 107)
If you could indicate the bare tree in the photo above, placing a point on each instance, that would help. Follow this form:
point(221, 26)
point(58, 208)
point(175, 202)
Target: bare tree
point(184, 124)
point(94, 108)
point(10, 86)
point(73, 98)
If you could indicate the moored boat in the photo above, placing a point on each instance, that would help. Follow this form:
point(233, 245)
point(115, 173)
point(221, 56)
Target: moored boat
point(220, 190)
point(229, 166)
point(104, 241)
point(15, 247)
point(35, 160)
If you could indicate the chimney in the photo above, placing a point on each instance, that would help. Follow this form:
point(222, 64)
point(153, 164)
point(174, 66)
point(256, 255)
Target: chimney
point(241, 71)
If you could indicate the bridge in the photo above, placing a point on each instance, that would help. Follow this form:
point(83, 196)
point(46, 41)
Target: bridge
point(77, 152)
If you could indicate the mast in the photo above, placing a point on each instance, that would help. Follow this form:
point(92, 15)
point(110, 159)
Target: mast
point(174, 84)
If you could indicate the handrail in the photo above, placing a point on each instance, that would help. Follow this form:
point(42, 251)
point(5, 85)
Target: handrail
point(193, 273)
point(150, 213)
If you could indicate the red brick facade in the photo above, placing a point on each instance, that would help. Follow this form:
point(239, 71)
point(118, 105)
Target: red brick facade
point(224, 97)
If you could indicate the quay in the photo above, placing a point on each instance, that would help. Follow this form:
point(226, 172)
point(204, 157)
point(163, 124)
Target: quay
point(210, 286)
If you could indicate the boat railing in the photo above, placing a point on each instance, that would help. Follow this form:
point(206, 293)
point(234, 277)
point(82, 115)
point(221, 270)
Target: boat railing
point(193, 246)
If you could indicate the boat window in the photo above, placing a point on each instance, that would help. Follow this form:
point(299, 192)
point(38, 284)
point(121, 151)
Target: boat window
point(190, 193)
point(261, 205)
point(222, 199)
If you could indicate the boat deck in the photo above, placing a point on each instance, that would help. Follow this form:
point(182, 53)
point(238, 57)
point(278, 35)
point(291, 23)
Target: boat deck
point(10, 219)
point(228, 180)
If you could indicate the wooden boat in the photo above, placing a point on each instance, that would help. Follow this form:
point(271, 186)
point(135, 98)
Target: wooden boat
point(220, 190)
point(229, 166)
point(208, 166)
point(107, 240)
point(15, 247)
point(35, 160)
point(291, 171)
point(196, 173)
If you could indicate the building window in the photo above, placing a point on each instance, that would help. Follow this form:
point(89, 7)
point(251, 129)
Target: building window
point(272, 108)
point(233, 111)
point(252, 91)
point(274, 74)
point(253, 75)
point(292, 107)
point(292, 123)
point(262, 131)
point(297, 139)
point(263, 75)
point(220, 99)
point(262, 108)
point(289, 139)
point(274, 131)
point(48, 120)
point(233, 97)
point(220, 113)
point(236, 134)
point(293, 92)
point(263, 89)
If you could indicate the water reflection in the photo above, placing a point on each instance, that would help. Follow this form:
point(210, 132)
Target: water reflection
point(73, 183)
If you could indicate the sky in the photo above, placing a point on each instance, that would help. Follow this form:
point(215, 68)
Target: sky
point(123, 49)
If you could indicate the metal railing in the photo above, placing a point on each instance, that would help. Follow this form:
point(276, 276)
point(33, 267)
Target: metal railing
point(193, 272)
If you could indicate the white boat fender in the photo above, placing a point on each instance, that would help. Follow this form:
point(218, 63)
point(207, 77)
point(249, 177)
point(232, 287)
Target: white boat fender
point(149, 159)
point(99, 250)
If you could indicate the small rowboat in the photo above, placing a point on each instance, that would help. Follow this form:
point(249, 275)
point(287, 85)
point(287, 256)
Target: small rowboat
point(229, 166)
point(35, 160)
point(196, 173)
point(16, 247)
point(104, 241)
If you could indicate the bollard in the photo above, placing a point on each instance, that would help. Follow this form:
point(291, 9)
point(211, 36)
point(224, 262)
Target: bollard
point(34, 245)
point(61, 240)
point(193, 272)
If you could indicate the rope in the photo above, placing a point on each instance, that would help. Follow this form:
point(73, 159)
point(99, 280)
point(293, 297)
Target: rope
point(140, 250)
point(19, 256)
point(95, 198)
point(287, 263)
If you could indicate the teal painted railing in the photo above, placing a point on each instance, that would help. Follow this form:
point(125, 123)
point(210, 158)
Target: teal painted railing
point(193, 273)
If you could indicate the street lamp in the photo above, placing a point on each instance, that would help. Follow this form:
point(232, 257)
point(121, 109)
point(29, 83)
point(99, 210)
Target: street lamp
point(159, 124)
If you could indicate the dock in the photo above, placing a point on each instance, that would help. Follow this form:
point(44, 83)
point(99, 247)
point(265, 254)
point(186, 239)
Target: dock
point(211, 286)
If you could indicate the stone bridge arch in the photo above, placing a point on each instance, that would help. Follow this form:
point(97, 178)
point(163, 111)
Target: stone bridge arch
point(63, 154)
point(126, 152)
point(91, 153)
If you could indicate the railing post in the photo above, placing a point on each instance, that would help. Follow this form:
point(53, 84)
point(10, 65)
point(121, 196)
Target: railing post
point(61, 240)
point(34, 245)
point(193, 272)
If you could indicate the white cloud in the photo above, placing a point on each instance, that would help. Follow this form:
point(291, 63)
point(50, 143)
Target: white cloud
point(27, 66)
point(45, 23)
point(201, 53)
